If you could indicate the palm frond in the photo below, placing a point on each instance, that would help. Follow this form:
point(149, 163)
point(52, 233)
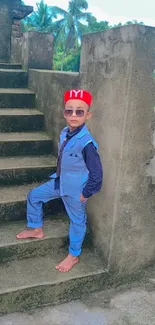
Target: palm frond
point(84, 16)
point(57, 11)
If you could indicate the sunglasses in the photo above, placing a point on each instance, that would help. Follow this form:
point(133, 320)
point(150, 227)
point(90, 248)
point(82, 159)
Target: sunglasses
point(78, 112)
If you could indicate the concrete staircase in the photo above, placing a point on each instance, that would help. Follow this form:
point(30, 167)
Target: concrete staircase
point(28, 278)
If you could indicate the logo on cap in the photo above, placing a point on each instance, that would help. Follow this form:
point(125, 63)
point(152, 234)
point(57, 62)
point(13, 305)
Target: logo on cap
point(76, 93)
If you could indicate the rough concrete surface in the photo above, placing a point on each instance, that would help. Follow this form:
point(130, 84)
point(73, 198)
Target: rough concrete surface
point(56, 239)
point(37, 50)
point(21, 122)
point(25, 147)
point(10, 65)
point(133, 307)
point(13, 78)
point(15, 91)
point(38, 272)
point(117, 66)
point(52, 228)
point(19, 112)
point(11, 12)
point(16, 98)
point(28, 136)
point(27, 162)
point(5, 30)
point(49, 87)
point(23, 170)
point(16, 192)
point(16, 42)
point(35, 282)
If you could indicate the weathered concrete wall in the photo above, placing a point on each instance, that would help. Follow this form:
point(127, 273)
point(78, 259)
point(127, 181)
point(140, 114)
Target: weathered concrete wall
point(49, 87)
point(16, 42)
point(19, 12)
point(11, 12)
point(37, 50)
point(117, 66)
point(5, 30)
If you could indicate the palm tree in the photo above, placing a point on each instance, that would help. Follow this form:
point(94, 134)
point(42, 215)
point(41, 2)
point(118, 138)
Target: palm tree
point(67, 29)
point(72, 22)
point(41, 19)
point(71, 26)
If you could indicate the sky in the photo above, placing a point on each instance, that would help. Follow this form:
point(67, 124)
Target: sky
point(114, 11)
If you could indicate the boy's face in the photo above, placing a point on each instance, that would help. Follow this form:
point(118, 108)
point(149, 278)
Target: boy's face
point(76, 113)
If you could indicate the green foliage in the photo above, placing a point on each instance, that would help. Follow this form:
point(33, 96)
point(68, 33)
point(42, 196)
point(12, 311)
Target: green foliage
point(153, 74)
point(134, 22)
point(41, 20)
point(95, 26)
point(130, 22)
point(68, 28)
point(68, 62)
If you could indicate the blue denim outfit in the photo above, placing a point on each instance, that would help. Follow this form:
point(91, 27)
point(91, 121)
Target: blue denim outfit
point(72, 179)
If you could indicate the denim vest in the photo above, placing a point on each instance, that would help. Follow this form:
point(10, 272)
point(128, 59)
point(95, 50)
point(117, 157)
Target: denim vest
point(74, 173)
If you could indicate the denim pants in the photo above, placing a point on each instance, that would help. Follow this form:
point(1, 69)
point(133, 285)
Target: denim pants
point(76, 211)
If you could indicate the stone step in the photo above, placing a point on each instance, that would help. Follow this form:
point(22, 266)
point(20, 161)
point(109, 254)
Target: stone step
point(35, 282)
point(19, 120)
point(13, 203)
point(55, 241)
point(24, 170)
point(10, 66)
point(21, 144)
point(16, 98)
point(10, 78)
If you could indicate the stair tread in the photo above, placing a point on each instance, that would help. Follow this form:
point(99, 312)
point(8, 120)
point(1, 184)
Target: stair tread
point(27, 162)
point(16, 91)
point(10, 64)
point(12, 70)
point(41, 271)
point(52, 228)
point(16, 193)
point(18, 111)
point(17, 108)
point(23, 136)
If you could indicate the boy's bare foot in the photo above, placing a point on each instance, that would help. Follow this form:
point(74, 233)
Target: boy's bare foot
point(67, 264)
point(31, 233)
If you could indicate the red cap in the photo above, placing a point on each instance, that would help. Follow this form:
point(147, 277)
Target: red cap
point(81, 94)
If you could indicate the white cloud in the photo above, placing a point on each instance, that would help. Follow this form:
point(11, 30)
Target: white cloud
point(98, 13)
point(62, 3)
point(101, 15)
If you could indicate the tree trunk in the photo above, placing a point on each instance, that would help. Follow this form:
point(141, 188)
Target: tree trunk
point(62, 63)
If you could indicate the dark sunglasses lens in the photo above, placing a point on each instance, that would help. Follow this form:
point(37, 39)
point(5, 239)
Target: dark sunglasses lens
point(68, 112)
point(79, 112)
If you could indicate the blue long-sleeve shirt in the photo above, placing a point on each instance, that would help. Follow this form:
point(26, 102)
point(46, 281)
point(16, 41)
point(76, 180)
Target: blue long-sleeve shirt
point(93, 163)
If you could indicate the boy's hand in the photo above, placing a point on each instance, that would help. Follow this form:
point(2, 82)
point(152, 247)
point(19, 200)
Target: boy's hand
point(82, 198)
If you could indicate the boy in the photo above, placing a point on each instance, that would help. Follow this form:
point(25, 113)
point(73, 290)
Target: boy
point(78, 176)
